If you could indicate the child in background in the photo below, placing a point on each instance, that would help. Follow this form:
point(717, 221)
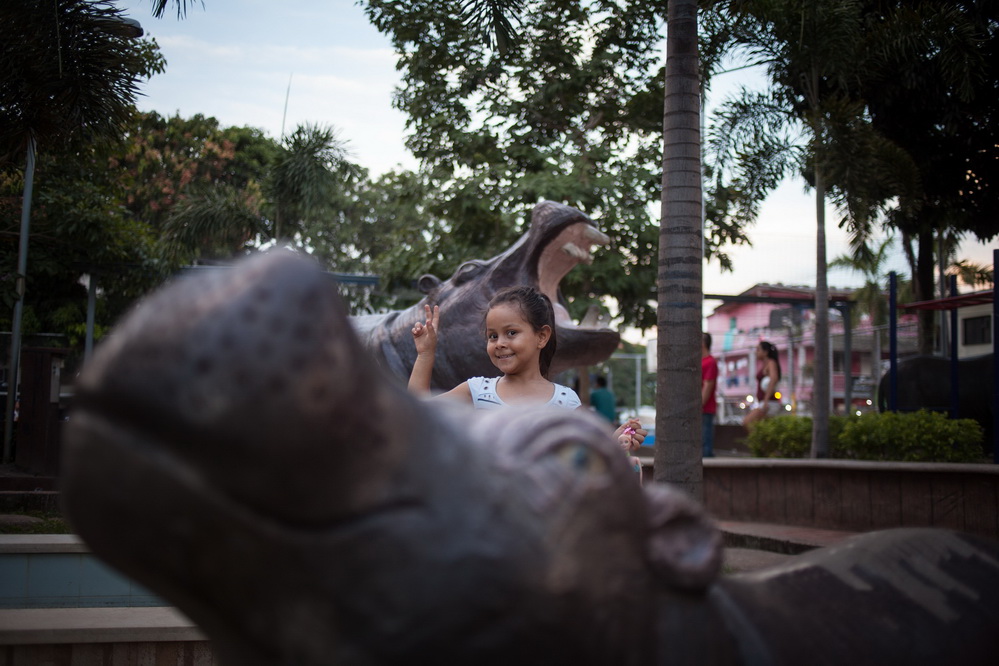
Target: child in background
point(521, 342)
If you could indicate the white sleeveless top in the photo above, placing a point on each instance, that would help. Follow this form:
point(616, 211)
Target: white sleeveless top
point(484, 395)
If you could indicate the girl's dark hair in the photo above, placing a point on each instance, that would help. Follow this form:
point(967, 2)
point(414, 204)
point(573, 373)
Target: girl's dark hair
point(538, 312)
point(771, 351)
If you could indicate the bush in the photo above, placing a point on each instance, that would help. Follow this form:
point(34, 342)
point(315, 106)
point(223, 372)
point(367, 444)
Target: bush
point(781, 437)
point(921, 436)
point(912, 437)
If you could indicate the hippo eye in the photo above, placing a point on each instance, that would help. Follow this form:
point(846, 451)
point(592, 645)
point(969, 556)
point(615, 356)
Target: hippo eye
point(581, 458)
point(467, 271)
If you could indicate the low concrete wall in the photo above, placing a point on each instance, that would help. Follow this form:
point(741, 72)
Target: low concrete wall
point(104, 636)
point(59, 606)
point(856, 496)
point(59, 571)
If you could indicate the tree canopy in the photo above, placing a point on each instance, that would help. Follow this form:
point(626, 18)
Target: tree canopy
point(570, 110)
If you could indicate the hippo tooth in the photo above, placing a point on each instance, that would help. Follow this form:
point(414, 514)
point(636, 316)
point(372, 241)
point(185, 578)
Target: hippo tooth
point(577, 252)
point(596, 236)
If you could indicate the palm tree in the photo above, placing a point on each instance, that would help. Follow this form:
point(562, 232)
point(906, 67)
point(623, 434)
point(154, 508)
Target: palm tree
point(870, 298)
point(973, 274)
point(304, 186)
point(677, 459)
point(303, 182)
point(678, 406)
point(68, 71)
point(805, 124)
point(219, 223)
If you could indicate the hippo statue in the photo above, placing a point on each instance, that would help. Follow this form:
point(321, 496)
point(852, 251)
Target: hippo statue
point(235, 449)
point(924, 383)
point(560, 237)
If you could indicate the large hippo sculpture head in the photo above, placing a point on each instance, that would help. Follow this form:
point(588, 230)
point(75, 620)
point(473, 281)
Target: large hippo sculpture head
point(234, 448)
point(560, 237)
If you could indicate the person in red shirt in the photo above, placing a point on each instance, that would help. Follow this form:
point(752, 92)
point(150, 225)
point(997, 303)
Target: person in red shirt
point(709, 405)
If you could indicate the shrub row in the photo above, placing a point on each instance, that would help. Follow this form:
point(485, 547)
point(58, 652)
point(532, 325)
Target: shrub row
point(921, 436)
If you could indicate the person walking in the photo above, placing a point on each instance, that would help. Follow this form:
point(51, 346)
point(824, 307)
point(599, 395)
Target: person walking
point(767, 397)
point(602, 400)
point(709, 403)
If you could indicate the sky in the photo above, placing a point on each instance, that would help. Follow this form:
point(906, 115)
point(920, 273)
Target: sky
point(241, 61)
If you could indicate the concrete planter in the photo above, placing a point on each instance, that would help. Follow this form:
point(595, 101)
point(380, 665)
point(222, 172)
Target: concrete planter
point(853, 495)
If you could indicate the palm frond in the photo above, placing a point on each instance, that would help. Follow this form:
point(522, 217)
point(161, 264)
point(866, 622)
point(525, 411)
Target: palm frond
point(218, 223)
point(492, 19)
point(159, 7)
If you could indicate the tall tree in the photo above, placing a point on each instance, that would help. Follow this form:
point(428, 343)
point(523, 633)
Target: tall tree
point(935, 94)
point(809, 122)
point(568, 111)
point(68, 71)
point(304, 180)
point(678, 400)
point(681, 252)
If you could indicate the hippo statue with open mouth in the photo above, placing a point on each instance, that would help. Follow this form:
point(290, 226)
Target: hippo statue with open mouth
point(560, 237)
point(235, 449)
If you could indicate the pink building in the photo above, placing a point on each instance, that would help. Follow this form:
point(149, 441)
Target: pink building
point(785, 316)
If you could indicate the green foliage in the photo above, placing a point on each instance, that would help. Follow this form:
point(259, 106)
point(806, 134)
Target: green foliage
point(305, 178)
point(917, 436)
point(571, 111)
point(67, 72)
point(909, 437)
point(781, 437)
point(38, 523)
point(166, 161)
point(79, 225)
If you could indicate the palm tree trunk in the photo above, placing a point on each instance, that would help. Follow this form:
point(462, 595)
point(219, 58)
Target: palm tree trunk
point(820, 390)
point(678, 400)
point(923, 289)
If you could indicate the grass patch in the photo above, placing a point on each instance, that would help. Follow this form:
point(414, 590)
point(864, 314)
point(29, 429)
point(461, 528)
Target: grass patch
point(43, 523)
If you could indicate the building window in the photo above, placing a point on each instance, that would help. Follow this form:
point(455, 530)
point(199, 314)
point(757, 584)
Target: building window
point(978, 330)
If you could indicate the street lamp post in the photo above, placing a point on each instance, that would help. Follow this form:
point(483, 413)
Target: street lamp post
point(15, 331)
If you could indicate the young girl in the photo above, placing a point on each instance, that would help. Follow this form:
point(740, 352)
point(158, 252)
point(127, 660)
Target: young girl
point(521, 342)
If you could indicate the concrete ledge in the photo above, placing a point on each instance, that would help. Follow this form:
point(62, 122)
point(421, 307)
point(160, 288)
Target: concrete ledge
point(852, 465)
point(856, 496)
point(52, 626)
point(42, 543)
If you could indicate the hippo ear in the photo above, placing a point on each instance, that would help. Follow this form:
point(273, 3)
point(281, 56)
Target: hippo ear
point(428, 283)
point(685, 547)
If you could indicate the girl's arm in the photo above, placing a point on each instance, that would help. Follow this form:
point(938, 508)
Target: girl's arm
point(425, 338)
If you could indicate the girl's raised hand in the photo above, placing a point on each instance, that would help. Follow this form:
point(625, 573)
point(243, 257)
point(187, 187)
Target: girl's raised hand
point(632, 432)
point(425, 334)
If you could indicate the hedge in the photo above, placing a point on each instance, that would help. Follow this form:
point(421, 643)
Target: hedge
point(921, 436)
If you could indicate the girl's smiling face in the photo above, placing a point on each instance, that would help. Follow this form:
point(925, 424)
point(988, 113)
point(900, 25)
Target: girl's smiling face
point(512, 344)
